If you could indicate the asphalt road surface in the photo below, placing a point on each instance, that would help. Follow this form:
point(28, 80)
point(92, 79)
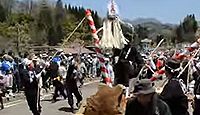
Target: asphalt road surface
point(61, 107)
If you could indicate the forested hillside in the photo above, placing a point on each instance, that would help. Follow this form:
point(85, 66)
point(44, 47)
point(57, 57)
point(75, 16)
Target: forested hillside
point(24, 23)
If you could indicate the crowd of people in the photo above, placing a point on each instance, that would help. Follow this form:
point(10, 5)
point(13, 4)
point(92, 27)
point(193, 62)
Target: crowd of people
point(34, 72)
point(175, 96)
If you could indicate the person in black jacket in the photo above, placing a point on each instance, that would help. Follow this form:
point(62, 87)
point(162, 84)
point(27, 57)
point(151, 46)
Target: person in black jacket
point(71, 87)
point(1, 92)
point(54, 75)
point(146, 101)
point(30, 83)
point(196, 76)
point(128, 66)
point(173, 93)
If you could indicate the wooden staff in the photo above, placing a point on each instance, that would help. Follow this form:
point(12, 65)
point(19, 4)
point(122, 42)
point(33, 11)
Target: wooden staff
point(38, 92)
point(188, 63)
point(183, 68)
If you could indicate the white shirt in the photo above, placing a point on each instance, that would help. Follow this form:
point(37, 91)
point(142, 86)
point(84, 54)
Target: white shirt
point(62, 71)
point(110, 72)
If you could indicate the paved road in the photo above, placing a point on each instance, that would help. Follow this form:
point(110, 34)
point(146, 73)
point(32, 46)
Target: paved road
point(61, 107)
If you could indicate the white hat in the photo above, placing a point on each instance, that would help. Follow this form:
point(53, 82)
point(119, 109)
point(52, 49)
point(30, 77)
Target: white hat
point(198, 65)
point(44, 55)
point(60, 50)
point(28, 62)
point(35, 58)
point(106, 59)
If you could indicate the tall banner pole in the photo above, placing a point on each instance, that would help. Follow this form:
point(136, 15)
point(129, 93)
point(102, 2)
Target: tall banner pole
point(104, 70)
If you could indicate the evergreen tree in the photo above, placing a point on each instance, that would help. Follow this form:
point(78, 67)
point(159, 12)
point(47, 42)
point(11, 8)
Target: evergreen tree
point(59, 34)
point(69, 8)
point(2, 14)
point(59, 17)
point(7, 4)
point(51, 37)
point(179, 33)
point(186, 30)
point(190, 24)
point(45, 17)
point(59, 12)
point(45, 22)
point(97, 19)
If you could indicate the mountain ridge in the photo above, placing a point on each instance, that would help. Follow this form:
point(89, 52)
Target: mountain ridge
point(138, 21)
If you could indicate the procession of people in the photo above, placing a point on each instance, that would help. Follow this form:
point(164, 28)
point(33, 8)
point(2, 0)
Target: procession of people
point(155, 81)
point(63, 72)
point(34, 73)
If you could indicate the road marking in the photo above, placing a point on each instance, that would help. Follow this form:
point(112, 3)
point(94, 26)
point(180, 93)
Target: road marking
point(91, 82)
point(13, 103)
point(17, 102)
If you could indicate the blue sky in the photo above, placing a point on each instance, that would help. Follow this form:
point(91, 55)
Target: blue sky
point(167, 11)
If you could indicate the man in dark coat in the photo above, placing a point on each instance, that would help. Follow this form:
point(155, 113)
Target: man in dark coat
point(146, 101)
point(54, 75)
point(196, 76)
point(173, 93)
point(72, 88)
point(128, 66)
point(2, 89)
point(30, 82)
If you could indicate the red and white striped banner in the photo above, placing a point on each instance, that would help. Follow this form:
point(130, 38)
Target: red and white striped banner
point(96, 43)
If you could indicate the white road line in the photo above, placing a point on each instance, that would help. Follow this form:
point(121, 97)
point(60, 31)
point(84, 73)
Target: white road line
point(91, 82)
point(47, 95)
point(13, 103)
point(17, 102)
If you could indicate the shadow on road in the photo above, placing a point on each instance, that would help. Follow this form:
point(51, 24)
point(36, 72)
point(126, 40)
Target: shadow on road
point(66, 109)
point(50, 100)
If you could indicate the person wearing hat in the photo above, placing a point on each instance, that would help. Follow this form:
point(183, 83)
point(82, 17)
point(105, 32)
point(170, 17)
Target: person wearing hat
point(173, 93)
point(146, 101)
point(94, 65)
point(71, 86)
point(110, 78)
point(81, 71)
point(30, 82)
point(53, 72)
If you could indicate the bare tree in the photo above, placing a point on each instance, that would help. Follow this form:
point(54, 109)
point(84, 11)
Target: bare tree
point(8, 5)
